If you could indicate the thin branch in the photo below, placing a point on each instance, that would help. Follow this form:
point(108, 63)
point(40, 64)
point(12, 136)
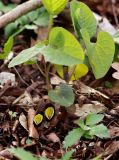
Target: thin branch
point(19, 11)
point(21, 77)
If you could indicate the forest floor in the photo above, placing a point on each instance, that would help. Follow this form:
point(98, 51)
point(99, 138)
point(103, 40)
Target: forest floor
point(27, 95)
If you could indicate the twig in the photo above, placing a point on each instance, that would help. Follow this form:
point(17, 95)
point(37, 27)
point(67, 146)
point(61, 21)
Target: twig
point(20, 77)
point(19, 11)
point(40, 70)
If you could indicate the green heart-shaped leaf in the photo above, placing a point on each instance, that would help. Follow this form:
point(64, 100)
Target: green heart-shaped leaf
point(63, 48)
point(101, 53)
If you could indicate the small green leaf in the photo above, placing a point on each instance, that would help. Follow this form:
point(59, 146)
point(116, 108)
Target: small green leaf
point(63, 48)
point(7, 48)
point(87, 135)
point(93, 119)
point(73, 136)
point(100, 131)
point(22, 154)
point(63, 95)
point(54, 7)
point(82, 17)
point(68, 155)
point(26, 55)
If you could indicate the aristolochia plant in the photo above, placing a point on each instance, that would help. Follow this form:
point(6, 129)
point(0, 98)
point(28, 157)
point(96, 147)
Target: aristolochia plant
point(62, 49)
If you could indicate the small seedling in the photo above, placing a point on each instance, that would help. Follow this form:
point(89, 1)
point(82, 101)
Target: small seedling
point(88, 128)
point(12, 114)
point(61, 48)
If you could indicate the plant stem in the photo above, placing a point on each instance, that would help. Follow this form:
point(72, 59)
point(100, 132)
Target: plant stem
point(47, 76)
point(47, 68)
point(50, 24)
point(70, 73)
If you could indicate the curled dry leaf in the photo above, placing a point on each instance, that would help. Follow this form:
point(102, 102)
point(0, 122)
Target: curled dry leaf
point(115, 65)
point(88, 90)
point(32, 130)
point(53, 137)
point(85, 109)
point(15, 125)
point(23, 121)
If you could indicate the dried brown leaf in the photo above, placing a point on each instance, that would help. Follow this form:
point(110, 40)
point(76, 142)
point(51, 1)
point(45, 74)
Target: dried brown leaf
point(85, 109)
point(32, 130)
point(23, 121)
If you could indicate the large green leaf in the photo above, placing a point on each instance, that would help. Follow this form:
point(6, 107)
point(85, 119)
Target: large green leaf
point(103, 54)
point(22, 154)
point(54, 7)
point(100, 54)
point(63, 95)
point(82, 17)
point(73, 136)
point(63, 48)
point(26, 55)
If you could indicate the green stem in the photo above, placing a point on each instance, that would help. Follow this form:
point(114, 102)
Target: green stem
point(50, 24)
